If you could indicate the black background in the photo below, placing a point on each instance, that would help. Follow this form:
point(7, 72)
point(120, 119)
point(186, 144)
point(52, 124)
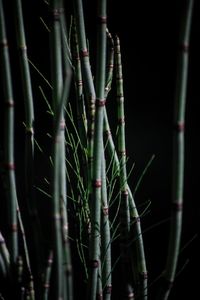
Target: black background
point(148, 31)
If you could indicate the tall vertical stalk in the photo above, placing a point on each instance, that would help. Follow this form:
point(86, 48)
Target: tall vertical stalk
point(105, 236)
point(59, 201)
point(178, 155)
point(63, 181)
point(124, 204)
point(87, 81)
point(9, 142)
point(29, 137)
point(98, 140)
point(80, 104)
point(28, 102)
point(57, 83)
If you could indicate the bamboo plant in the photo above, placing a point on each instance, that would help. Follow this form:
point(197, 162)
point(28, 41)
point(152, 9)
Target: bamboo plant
point(91, 211)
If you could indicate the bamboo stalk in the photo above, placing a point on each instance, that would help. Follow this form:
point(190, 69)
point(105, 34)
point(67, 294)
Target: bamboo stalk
point(28, 102)
point(10, 148)
point(60, 184)
point(105, 236)
point(80, 104)
point(35, 242)
point(60, 95)
point(57, 83)
point(87, 81)
point(68, 282)
point(124, 205)
point(9, 142)
point(110, 64)
point(178, 155)
point(99, 294)
point(24, 241)
point(98, 140)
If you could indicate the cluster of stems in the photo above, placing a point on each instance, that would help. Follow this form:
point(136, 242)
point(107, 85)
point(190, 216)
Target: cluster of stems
point(91, 206)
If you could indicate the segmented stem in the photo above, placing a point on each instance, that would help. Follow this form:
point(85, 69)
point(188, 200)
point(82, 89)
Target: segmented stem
point(178, 155)
point(98, 140)
point(87, 81)
point(124, 205)
point(57, 83)
point(80, 104)
point(29, 137)
point(105, 236)
point(9, 141)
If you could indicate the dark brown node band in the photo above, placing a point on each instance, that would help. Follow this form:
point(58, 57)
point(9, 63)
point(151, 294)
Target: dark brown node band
point(100, 102)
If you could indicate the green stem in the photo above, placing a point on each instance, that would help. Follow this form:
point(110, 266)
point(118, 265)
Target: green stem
point(63, 182)
point(87, 81)
point(105, 236)
point(29, 109)
point(178, 155)
point(29, 138)
point(57, 83)
point(9, 142)
point(80, 105)
point(110, 64)
point(98, 141)
point(124, 207)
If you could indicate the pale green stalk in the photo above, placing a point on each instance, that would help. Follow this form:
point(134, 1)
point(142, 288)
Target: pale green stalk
point(28, 102)
point(87, 81)
point(57, 84)
point(110, 64)
point(35, 242)
point(10, 112)
point(63, 279)
point(178, 155)
point(124, 207)
point(68, 283)
point(105, 236)
point(80, 105)
point(94, 252)
point(24, 241)
point(9, 142)
point(99, 295)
